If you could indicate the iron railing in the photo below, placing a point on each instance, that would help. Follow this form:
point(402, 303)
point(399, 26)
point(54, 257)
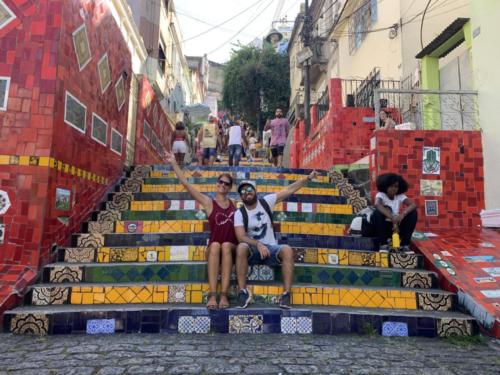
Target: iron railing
point(429, 109)
point(323, 104)
point(360, 93)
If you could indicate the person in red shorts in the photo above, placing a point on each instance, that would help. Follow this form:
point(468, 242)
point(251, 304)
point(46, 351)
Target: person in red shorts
point(222, 242)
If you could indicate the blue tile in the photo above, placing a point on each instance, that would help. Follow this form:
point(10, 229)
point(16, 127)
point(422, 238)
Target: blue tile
point(322, 323)
point(397, 329)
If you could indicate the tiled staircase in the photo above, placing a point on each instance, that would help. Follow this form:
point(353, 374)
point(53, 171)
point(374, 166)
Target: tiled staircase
point(139, 266)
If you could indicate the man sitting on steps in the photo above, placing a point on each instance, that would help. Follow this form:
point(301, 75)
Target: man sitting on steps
point(253, 224)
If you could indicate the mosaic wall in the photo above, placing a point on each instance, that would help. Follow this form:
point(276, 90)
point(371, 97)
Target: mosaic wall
point(443, 168)
point(150, 143)
point(327, 145)
point(43, 65)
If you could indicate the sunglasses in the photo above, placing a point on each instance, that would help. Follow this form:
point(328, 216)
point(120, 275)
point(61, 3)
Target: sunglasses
point(246, 190)
point(225, 183)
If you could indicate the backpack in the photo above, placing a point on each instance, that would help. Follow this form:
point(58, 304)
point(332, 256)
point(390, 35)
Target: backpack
point(264, 204)
point(361, 225)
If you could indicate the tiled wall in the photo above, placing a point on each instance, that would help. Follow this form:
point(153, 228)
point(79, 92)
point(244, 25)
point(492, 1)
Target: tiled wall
point(42, 152)
point(149, 109)
point(340, 137)
point(450, 182)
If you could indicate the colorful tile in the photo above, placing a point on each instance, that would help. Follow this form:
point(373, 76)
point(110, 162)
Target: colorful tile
point(246, 323)
point(100, 326)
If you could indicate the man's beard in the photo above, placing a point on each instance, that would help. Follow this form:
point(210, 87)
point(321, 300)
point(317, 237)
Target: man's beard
point(279, 115)
point(250, 202)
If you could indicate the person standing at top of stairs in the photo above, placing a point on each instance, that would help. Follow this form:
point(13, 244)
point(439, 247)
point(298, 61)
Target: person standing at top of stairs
point(179, 143)
point(279, 132)
point(209, 139)
point(254, 229)
point(236, 140)
point(220, 212)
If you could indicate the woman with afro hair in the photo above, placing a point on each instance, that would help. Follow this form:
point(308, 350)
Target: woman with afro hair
point(388, 216)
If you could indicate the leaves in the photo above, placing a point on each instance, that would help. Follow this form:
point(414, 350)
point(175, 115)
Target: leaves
point(250, 70)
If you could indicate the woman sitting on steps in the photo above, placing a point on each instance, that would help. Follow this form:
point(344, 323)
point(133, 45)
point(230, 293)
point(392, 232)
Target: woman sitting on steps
point(222, 242)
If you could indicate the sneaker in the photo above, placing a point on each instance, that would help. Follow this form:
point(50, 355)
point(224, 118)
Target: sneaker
point(406, 249)
point(285, 301)
point(384, 249)
point(244, 298)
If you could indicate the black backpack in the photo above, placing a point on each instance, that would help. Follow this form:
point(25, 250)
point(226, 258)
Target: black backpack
point(264, 204)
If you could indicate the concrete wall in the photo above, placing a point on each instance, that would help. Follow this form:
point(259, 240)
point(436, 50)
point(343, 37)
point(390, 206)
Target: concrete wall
point(485, 55)
point(377, 50)
point(439, 15)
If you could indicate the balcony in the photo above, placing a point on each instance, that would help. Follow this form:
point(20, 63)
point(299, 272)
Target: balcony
point(157, 76)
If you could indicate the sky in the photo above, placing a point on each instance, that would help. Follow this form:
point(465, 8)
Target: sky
point(198, 16)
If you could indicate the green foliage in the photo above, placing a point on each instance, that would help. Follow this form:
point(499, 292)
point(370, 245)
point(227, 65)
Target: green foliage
point(248, 71)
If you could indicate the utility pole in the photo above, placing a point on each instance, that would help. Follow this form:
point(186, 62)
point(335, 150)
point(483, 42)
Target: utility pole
point(306, 39)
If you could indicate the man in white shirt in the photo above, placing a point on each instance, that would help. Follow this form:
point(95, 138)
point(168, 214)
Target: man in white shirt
point(254, 230)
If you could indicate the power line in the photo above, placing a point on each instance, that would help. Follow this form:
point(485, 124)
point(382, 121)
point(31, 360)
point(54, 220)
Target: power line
point(243, 28)
point(222, 23)
point(422, 24)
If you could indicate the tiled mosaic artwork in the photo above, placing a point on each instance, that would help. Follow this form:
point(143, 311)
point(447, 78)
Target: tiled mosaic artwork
point(100, 326)
point(395, 329)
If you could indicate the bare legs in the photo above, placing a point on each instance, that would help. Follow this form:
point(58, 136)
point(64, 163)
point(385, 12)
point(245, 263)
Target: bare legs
point(287, 264)
point(219, 257)
point(179, 158)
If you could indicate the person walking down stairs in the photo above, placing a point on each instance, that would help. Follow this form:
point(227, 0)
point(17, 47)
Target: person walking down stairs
point(253, 224)
point(220, 212)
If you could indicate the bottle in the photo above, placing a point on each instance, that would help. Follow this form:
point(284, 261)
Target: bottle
point(396, 241)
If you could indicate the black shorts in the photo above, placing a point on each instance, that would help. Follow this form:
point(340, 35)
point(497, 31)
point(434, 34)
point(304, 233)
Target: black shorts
point(277, 150)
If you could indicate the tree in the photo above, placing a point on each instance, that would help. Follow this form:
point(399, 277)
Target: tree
point(250, 71)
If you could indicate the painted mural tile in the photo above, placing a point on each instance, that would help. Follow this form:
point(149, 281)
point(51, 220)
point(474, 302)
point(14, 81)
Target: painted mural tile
point(179, 253)
point(491, 293)
point(246, 323)
point(177, 294)
point(62, 201)
point(100, 326)
point(431, 160)
point(492, 271)
point(4, 202)
point(82, 47)
point(431, 208)
point(431, 188)
point(397, 329)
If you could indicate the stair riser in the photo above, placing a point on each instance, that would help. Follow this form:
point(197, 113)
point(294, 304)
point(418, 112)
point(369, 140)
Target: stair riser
point(212, 181)
point(198, 273)
point(196, 293)
point(212, 188)
point(200, 239)
point(258, 321)
point(153, 254)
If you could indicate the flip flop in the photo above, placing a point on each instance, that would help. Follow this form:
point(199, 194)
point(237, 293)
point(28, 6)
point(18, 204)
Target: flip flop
point(212, 305)
point(225, 305)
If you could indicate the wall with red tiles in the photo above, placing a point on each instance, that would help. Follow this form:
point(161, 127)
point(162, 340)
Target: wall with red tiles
point(37, 52)
point(461, 173)
point(149, 109)
point(340, 137)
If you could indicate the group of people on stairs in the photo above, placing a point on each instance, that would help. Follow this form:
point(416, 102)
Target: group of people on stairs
point(248, 232)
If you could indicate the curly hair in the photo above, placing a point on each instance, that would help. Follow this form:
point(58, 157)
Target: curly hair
point(387, 179)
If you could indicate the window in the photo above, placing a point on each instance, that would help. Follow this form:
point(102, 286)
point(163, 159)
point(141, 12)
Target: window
point(360, 23)
point(75, 113)
point(82, 48)
point(6, 15)
point(154, 140)
point(104, 73)
point(146, 131)
point(120, 93)
point(116, 141)
point(4, 92)
point(99, 129)
point(162, 58)
point(165, 2)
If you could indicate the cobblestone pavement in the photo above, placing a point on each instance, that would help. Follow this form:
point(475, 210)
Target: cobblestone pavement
point(244, 354)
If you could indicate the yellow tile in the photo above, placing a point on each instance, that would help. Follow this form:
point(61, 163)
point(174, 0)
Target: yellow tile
point(88, 298)
point(24, 160)
point(400, 303)
point(76, 298)
point(273, 290)
point(411, 303)
point(99, 298)
point(86, 289)
point(307, 299)
point(158, 298)
point(297, 299)
point(196, 297)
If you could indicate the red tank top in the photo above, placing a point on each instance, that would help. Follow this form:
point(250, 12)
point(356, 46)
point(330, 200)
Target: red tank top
point(221, 223)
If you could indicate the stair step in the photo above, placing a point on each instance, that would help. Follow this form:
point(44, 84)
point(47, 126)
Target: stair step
point(197, 272)
point(152, 254)
point(302, 294)
point(183, 195)
point(213, 180)
point(200, 239)
point(143, 318)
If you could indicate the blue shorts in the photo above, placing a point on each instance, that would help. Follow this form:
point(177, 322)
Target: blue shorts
point(272, 260)
point(208, 152)
point(277, 150)
point(235, 152)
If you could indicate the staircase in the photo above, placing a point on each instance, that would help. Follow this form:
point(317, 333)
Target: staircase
point(139, 266)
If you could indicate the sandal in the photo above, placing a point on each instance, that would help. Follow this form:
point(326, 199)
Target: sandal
point(212, 305)
point(224, 305)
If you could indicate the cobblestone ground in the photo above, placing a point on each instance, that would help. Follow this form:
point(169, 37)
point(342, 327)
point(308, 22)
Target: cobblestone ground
point(244, 354)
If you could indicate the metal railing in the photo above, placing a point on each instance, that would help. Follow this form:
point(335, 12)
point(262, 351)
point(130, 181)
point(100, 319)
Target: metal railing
point(429, 109)
point(360, 93)
point(323, 104)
